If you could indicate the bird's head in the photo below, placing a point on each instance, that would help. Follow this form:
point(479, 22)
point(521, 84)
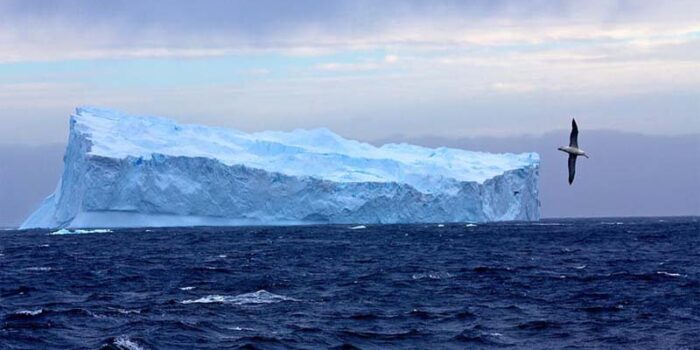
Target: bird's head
point(561, 149)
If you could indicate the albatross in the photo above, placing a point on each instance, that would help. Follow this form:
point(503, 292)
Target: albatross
point(573, 150)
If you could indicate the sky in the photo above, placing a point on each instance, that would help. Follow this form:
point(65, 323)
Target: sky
point(366, 69)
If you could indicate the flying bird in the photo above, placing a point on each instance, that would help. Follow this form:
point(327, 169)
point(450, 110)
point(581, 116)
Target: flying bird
point(573, 150)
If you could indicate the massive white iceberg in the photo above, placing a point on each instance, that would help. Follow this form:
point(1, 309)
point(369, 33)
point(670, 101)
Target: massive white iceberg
point(131, 171)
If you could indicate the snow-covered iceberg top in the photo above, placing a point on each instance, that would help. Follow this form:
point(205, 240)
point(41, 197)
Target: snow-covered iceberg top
point(317, 153)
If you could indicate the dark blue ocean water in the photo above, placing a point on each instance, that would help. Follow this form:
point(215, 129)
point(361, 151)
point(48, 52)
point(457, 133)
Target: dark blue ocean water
point(557, 284)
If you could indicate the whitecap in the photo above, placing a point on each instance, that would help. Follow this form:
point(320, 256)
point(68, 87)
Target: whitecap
point(580, 267)
point(187, 288)
point(38, 268)
point(64, 231)
point(207, 299)
point(124, 311)
point(441, 225)
point(100, 230)
point(223, 256)
point(124, 342)
point(259, 297)
point(240, 328)
point(358, 227)
point(29, 312)
point(431, 275)
point(470, 225)
point(670, 274)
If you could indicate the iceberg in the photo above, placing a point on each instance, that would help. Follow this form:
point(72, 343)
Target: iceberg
point(135, 171)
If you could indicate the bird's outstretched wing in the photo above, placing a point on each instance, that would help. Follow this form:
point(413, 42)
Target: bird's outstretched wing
point(572, 168)
point(573, 139)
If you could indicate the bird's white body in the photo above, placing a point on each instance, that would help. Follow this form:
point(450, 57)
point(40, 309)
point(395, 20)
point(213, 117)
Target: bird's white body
point(573, 150)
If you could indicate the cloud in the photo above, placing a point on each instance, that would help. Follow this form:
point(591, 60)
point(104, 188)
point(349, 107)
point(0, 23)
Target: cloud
point(61, 30)
point(391, 59)
point(348, 67)
point(365, 68)
point(512, 87)
point(366, 65)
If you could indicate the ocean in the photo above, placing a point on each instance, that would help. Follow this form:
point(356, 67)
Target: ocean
point(614, 283)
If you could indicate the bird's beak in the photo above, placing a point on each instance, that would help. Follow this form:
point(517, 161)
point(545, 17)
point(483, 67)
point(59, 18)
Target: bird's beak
point(585, 155)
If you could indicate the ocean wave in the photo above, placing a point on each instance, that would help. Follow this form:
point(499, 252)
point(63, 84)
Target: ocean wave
point(21, 290)
point(259, 297)
point(366, 316)
point(125, 311)
point(38, 268)
point(669, 274)
point(301, 328)
point(429, 314)
point(187, 288)
point(463, 315)
point(624, 275)
point(29, 312)
point(431, 275)
point(123, 342)
point(479, 335)
point(64, 231)
point(602, 309)
point(400, 335)
point(492, 269)
point(538, 325)
point(470, 225)
point(358, 227)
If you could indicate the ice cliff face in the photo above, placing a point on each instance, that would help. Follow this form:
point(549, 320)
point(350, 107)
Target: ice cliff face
point(128, 171)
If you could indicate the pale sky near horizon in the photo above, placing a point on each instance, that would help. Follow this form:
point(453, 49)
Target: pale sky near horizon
point(366, 69)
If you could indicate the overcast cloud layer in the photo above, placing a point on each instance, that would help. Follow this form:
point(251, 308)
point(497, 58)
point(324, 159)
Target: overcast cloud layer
point(367, 69)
